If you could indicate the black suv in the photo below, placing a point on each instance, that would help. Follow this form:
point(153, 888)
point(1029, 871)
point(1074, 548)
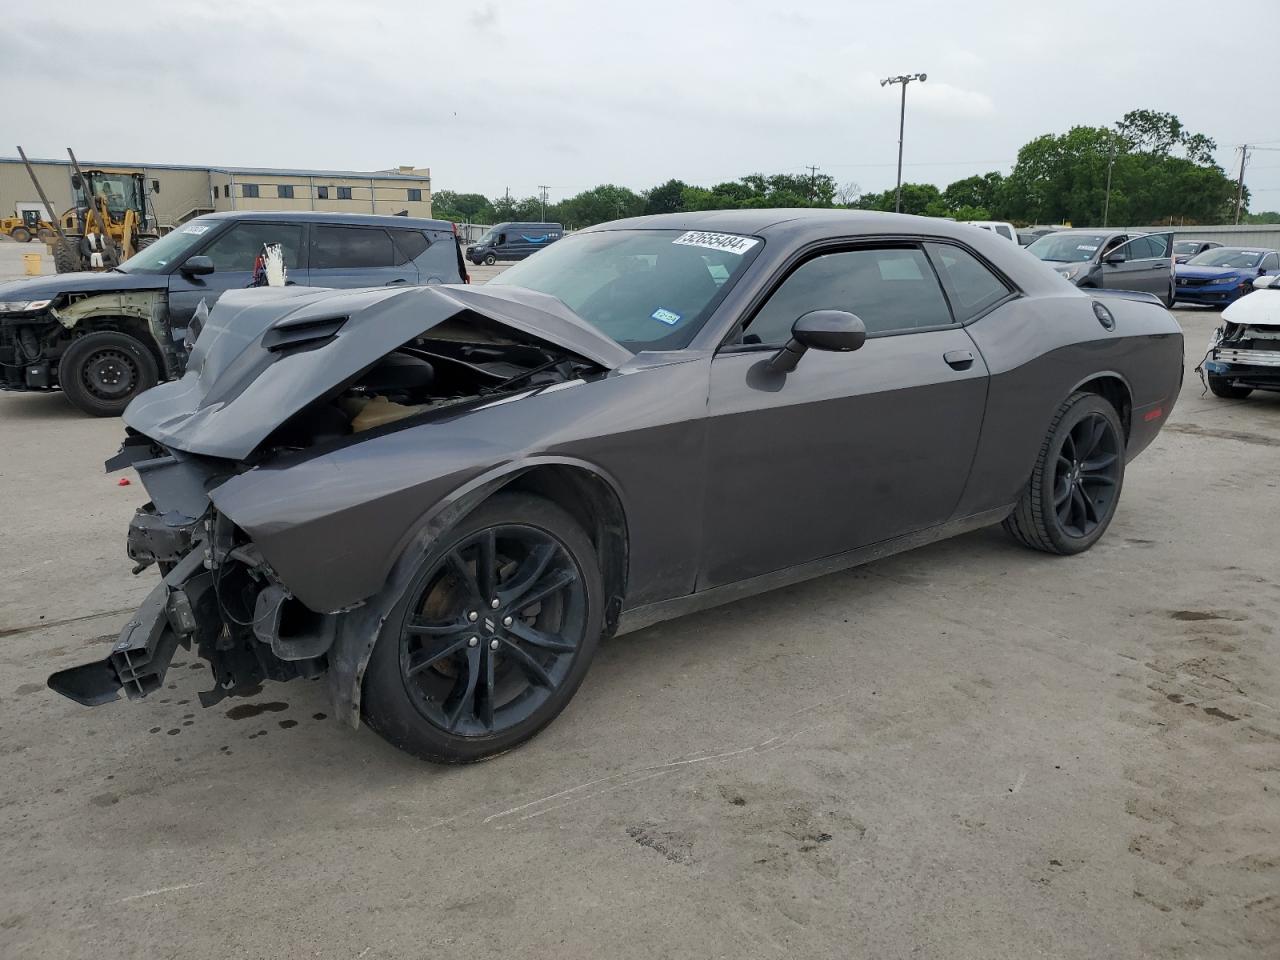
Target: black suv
point(105, 337)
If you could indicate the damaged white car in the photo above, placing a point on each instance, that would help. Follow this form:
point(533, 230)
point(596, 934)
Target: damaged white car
point(1244, 353)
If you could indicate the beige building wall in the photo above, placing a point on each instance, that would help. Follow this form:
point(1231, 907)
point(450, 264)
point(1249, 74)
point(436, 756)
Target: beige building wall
point(178, 194)
point(383, 195)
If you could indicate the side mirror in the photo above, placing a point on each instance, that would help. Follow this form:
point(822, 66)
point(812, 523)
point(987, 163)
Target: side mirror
point(1114, 259)
point(197, 267)
point(820, 330)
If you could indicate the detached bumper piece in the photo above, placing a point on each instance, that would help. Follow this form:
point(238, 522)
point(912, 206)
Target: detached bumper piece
point(172, 613)
point(1251, 368)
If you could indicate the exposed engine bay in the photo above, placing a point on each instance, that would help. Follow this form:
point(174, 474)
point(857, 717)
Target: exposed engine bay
point(456, 364)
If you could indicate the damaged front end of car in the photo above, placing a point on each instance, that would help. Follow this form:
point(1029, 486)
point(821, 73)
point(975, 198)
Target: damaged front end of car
point(288, 377)
point(1245, 350)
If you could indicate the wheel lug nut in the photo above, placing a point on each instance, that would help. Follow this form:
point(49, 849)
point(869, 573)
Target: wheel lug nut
point(493, 644)
point(473, 616)
point(506, 621)
point(473, 642)
point(494, 603)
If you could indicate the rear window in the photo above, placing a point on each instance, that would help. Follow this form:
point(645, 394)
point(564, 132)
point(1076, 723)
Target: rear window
point(410, 245)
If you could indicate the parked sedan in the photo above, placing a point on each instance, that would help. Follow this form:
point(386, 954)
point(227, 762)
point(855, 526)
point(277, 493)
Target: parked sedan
point(1218, 277)
point(1111, 259)
point(1184, 250)
point(444, 497)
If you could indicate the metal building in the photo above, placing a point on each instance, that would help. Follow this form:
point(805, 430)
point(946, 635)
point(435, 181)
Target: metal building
point(176, 192)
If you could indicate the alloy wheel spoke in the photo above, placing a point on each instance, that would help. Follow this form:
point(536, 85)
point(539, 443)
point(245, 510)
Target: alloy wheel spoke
point(528, 573)
point(1062, 490)
point(552, 584)
point(487, 564)
point(422, 658)
point(1093, 428)
point(420, 628)
point(467, 699)
point(1068, 448)
point(1078, 510)
point(530, 667)
point(537, 638)
point(1100, 462)
point(1097, 480)
point(485, 699)
point(1090, 509)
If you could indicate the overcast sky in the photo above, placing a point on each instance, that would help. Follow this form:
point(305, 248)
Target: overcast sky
point(491, 95)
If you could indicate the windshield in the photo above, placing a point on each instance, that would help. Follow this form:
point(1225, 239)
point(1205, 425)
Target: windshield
point(169, 249)
point(1068, 247)
point(646, 289)
point(1186, 246)
point(1226, 257)
point(488, 238)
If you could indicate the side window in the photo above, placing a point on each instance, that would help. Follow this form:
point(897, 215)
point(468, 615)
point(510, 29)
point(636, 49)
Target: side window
point(892, 289)
point(415, 194)
point(322, 193)
point(249, 190)
point(239, 247)
point(350, 247)
point(284, 191)
point(1004, 232)
point(970, 285)
point(344, 193)
point(1271, 261)
point(410, 245)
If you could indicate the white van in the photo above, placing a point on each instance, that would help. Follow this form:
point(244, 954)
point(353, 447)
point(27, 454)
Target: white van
point(1005, 230)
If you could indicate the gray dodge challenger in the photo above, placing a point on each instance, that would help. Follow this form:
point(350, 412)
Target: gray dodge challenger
point(443, 497)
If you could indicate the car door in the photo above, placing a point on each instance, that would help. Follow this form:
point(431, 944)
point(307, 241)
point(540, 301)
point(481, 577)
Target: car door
point(233, 253)
point(850, 448)
point(352, 256)
point(1143, 263)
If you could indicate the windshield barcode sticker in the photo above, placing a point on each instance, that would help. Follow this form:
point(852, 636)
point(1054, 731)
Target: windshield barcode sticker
point(728, 242)
point(1085, 246)
point(196, 228)
point(663, 315)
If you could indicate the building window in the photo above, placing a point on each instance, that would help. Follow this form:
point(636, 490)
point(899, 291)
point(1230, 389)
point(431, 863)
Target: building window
point(155, 186)
point(249, 190)
point(415, 195)
point(285, 191)
point(322, 193)
point(226, 189)
point(344, 193)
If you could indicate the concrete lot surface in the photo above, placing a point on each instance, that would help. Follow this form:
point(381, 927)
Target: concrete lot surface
point(969, 751)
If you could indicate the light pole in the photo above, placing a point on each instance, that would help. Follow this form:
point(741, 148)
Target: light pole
point(1106, 203)
point(902, 122)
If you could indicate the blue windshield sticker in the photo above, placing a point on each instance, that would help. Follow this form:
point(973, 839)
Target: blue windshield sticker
point(663, 315)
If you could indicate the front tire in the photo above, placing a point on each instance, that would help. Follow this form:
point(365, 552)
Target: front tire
point(492, 637)
point(1075, 485)
point(66, 257)
point(101, 372)
point(20, 235)
point(1221, 387)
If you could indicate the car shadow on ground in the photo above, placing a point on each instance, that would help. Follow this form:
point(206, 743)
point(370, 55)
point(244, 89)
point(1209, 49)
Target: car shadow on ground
point(43, 406)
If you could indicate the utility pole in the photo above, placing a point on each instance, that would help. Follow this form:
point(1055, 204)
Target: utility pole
point(1244, 155)
point(542, 195)
point(902, 122)
point(813, 180)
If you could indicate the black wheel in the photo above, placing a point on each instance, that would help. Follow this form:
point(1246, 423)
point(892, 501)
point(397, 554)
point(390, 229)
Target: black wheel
point(66, 256)
point(492, 637)
point(101, 372)
point(1221, 387)
point(1076, 483)
point(143, 243)
point(490, 259)
point(21, 234)
point(46, 235)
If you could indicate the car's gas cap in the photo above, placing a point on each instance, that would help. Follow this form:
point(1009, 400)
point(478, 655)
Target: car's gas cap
point(1104, 316)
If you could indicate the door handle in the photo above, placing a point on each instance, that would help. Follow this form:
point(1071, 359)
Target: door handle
point(958, 359)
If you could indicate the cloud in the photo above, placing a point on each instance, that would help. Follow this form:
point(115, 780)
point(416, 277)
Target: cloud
point(945, 99)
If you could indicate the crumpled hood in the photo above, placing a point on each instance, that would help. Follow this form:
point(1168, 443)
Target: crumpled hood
point(266, 353)
point(1213, 273)
point(1261, 308)
point(46, 288)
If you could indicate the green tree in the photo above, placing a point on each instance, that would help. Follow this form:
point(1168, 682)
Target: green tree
point(916, 199)
point(462, 207)
point(600, 204)
point(980, 190)
point(665, 198)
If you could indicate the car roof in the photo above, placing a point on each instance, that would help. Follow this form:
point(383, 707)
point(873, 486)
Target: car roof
point(322, 216)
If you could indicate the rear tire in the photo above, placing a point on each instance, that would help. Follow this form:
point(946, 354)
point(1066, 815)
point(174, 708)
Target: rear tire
point(101, 372)
point(456, 679)
point(1221, 387)
point(490, 259)
point(1075, 485)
